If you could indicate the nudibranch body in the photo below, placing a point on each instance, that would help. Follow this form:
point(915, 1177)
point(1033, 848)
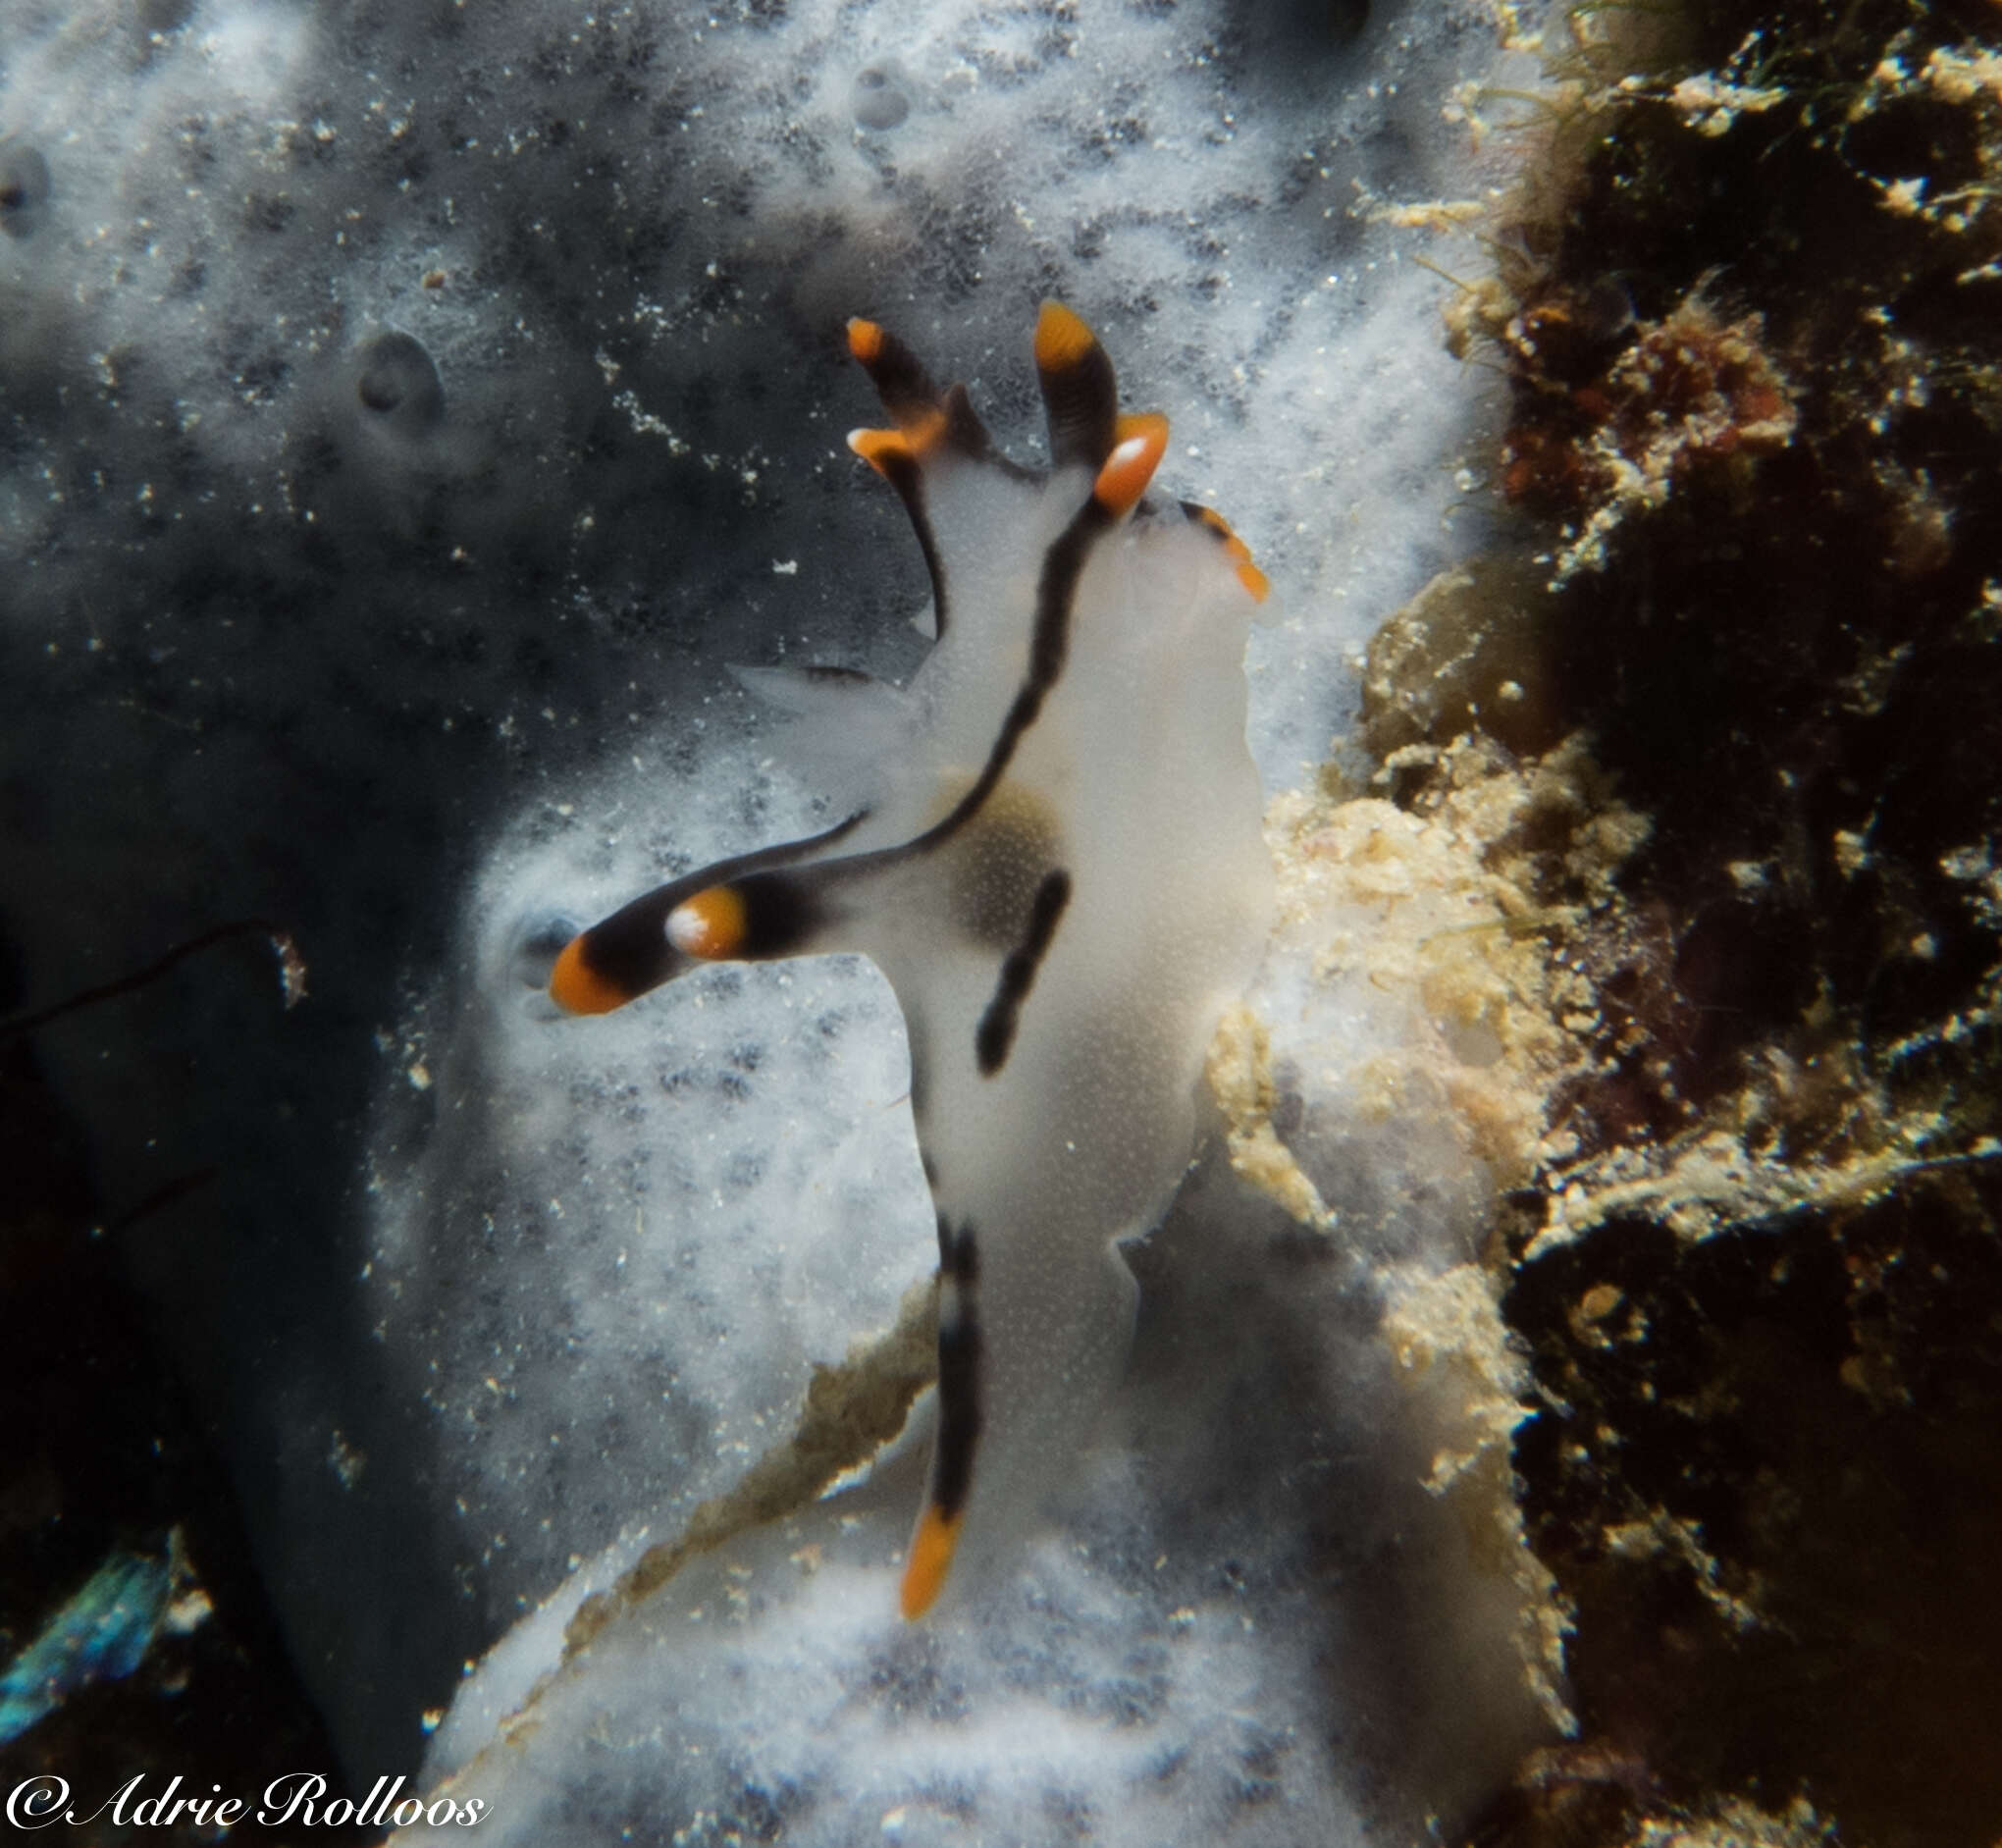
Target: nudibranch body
point(1054, 855)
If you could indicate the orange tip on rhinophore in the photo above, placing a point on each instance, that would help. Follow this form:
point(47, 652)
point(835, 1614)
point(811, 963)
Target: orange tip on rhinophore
point(932, 1550)
point(1139, 444)
point(878, 448)
point(1061, 338)
point(710, 924)
point(578, 989)
point(865, 340)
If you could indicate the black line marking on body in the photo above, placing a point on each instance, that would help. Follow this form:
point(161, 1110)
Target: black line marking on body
point(1081, 408)
point(1049, 646)
point(959, 1368)
point(904, 473)
point(629, 947)
point(908, 396)
point(1056, 592)
point(995, 1037)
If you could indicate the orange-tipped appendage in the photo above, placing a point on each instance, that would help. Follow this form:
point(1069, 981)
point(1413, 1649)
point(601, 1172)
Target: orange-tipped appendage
point(880, 448)
point(1061, 338)
point(711, 925)
point(931, 1550)
point(1139, 444)
point(578, 989)
point(865, 340)
point(1239, 553)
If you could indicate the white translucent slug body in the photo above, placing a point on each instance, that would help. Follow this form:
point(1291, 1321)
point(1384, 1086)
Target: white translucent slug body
point(1055, 859)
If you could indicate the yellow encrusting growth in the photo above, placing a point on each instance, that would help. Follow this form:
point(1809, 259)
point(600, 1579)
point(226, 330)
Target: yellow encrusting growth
point(1239, 1068)
point(1445, 1331)
point(1448, 906)
point(1455, 914)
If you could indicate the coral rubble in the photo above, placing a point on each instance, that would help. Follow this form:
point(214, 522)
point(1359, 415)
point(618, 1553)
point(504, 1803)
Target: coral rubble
point(1748, 308)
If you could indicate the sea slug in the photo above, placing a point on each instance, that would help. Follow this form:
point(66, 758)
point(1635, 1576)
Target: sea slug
point(1054, 855)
